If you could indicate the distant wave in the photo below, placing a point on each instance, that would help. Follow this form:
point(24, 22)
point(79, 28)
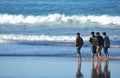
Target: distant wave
point(60, 19)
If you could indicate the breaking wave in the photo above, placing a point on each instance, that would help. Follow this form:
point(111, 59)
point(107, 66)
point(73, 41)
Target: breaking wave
point(60, 19)
point(50, 40)
point(13, 37)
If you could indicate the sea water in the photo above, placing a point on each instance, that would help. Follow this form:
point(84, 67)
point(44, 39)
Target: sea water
point(48, 27)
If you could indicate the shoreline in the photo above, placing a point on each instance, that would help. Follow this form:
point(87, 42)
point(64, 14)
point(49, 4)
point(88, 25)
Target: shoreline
point(84, 59)
point(53, 51)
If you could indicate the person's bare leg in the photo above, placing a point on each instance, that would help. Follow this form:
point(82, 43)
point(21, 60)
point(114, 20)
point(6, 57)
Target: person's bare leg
point(106, 56)
point(79, 58)
point(92, 57)
point(99, 56)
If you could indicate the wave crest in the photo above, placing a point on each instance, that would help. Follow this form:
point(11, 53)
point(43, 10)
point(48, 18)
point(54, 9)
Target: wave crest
point(50, 40)
point(62, 38)
point(60, 19)
point(13, 37)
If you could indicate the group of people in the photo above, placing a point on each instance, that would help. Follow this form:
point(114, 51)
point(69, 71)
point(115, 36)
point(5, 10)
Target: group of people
point(97, 42)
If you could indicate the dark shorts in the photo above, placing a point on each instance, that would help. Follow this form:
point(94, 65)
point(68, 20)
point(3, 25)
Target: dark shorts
point(78, 50)
point(106, 50)
point(94, 49)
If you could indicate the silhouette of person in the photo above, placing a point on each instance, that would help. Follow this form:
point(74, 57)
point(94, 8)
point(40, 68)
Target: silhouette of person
point(100, 45)
point(79, 73)
point(106, 72)
point(106, 45)
point(78, 45)
point(94, 41)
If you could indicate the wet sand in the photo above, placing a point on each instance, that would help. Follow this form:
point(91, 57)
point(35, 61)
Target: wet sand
point(56, 67)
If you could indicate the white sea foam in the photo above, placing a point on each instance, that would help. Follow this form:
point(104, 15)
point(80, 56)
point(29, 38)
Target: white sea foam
point(13, 37)
point(20, 37)
point(60, 19)
point(49, 40)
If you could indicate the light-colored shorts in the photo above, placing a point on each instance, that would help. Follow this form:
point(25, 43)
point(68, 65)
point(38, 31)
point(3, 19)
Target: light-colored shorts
point(99, 48)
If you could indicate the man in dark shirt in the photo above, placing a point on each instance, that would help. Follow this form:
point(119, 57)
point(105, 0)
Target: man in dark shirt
point(106, 45)
point(78, 44)
point(94, 41)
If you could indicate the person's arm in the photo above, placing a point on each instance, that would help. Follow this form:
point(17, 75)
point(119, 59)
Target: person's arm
point(76, 42)
point(82, 41)
point(109, 42)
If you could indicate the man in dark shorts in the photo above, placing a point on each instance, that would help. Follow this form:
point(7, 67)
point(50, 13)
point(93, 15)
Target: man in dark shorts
point(94, 41)
point(78, 44)
point(106, 45)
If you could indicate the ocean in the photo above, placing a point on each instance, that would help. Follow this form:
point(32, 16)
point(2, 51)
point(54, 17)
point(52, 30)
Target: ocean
point(48, 27)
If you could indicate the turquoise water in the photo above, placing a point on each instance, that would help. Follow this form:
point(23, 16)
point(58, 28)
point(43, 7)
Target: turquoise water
point(67, 7)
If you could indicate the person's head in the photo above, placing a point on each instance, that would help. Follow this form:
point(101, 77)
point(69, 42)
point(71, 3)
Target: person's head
point(104, 33)
point(78, 34)
point(92, 33)
point(97, 34)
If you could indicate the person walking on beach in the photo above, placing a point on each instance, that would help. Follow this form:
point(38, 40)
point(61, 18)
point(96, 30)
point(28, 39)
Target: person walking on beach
point(106, 45)
point(99, 45)
point(78, 44)
point(94, 41)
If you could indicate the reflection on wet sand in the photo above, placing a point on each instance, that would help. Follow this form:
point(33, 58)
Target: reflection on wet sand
point(97, 71)
point(94, 71)
point(79, 73)
point(106, 72)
